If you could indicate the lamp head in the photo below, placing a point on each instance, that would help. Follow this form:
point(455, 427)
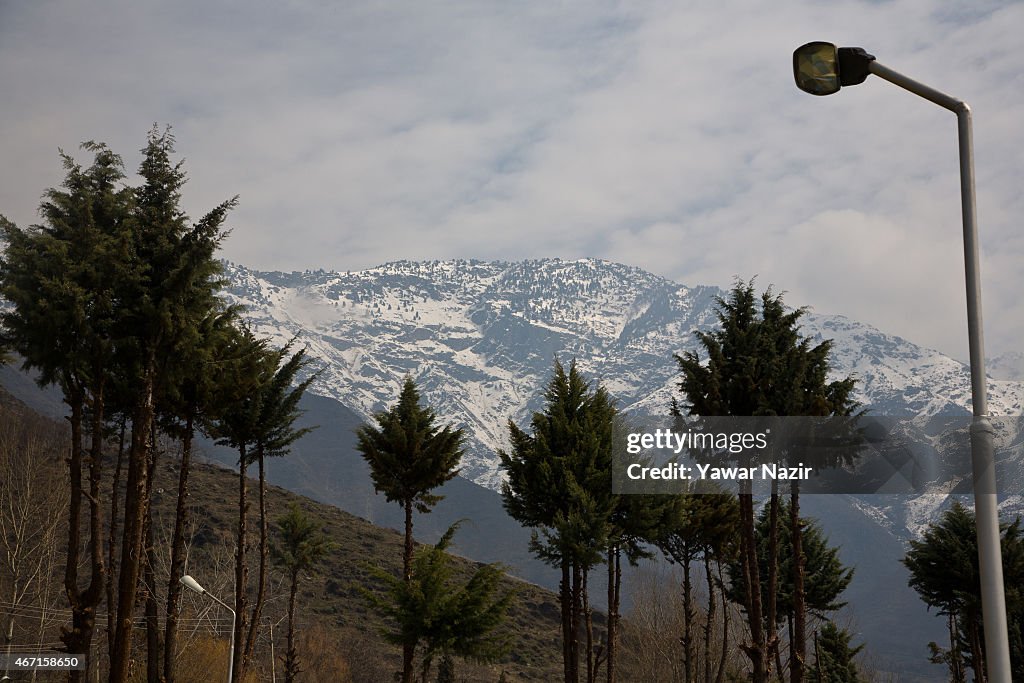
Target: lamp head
point(822, 69)
point(192, 584)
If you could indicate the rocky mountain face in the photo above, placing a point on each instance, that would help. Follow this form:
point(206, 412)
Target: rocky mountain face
point(480, 339)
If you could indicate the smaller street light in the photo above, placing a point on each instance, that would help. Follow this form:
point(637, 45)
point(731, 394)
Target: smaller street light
point(194, 586)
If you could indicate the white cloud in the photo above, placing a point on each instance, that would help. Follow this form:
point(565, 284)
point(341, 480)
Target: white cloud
point(660, 134)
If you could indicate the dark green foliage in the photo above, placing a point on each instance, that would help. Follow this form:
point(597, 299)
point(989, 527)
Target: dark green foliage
point(559, 482)
point(944, 571)
point(834, 657)
point(759, 364)
point(64, 280)
point(408, 455)
point(302, 546)
point(559, 473)
point(438, 614)
point(62, 277)
point(826, 577)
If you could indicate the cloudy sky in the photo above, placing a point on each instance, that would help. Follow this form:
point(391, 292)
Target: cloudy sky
point(666, 135)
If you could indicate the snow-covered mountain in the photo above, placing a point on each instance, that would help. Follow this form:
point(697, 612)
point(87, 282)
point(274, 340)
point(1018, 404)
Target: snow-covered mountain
point(480, 338)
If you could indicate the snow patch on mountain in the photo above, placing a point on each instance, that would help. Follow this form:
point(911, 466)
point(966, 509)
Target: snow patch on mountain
point(480, 338)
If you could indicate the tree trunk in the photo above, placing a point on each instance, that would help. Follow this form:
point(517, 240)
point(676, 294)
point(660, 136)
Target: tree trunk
point(291, 659)
point(614, 585)
point(773, 578)
point(977, 650)
point(725, 628)
point(799, 642)
point(241, 569)
point(154, 653)
point(131, 544)
point(261, 578)
point(181, 519)
point(83, 603)
point(408, 649)
point(588, 625)
point(956, 658)
point(755, 650)
point(565, 598)
point(709, 622)
point(115, 497)
point(688, 615)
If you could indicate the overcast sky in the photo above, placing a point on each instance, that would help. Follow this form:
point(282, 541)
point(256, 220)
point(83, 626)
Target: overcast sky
point(665, 135)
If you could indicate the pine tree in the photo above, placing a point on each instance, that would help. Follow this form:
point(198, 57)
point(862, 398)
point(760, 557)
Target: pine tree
point(758, 364)
point(63, 280)
point(440, 615)
point(192, 406)
point(833, 658)
point(302, 546)
point(558, 483)
point(237, 396)
point(944, 571)
point(827, 578)
point(276, 432)
point(409, 457)
point(172, 284)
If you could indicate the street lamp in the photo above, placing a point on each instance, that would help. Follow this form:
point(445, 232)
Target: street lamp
point(193, 585)
point(822, 69)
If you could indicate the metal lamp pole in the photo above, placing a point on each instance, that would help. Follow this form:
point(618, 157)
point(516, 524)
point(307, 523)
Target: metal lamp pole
point(193, 585)
point(821, 69)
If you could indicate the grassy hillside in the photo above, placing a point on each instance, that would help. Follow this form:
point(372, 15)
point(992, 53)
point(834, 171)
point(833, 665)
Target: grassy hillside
point(339, 633)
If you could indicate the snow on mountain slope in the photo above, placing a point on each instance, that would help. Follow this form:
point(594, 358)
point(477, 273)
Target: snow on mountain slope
point(480, 339)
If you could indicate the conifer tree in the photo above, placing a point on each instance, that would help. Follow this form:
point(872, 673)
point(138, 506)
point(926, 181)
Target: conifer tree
point(302, 546)
point(827, 578)
point(558, 483)
point(441, 616)
point(172, 283)
point(758, 364)
point(241, 390)
point(409, 456)
point(944, 571)
point(834, 657)
point(276, 432)
point(193, 408)
point(63, 281)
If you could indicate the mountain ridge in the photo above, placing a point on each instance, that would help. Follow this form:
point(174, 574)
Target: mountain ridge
point(479, 337)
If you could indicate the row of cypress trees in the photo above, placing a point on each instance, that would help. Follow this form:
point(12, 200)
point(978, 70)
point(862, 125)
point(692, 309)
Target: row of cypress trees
point(115, 298)
point(756, 363)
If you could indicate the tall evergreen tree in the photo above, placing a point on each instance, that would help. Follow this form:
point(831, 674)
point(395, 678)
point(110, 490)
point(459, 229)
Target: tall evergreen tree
point(276, 432)
point(759, 365)
point(302, 546)
point(63, 279)
point(240, 393)
point(827, 578)
point(409, 456)
point(558, 478)
point(944, 571)
point(193, 408)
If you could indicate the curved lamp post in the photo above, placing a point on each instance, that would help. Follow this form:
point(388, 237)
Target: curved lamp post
point(822, 69)
point(193, 585)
